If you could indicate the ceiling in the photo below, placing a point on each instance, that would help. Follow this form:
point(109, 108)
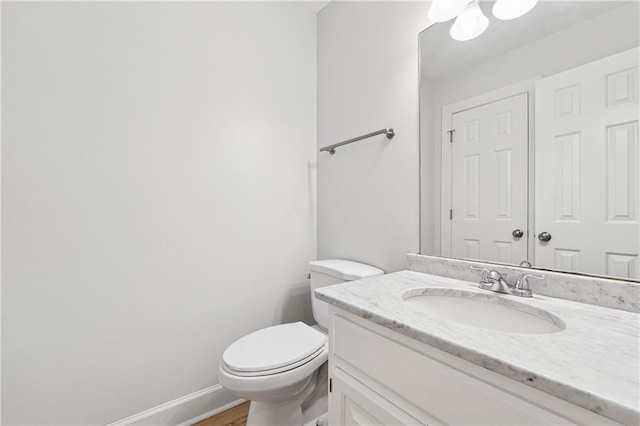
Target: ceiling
point(441, 56)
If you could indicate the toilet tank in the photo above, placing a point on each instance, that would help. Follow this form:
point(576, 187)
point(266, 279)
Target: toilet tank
point(334, 271)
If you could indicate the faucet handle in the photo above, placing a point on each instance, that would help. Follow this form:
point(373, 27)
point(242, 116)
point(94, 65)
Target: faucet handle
point(522, 284)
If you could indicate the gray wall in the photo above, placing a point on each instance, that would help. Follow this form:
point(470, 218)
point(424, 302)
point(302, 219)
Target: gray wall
point(368, 192)
point(158, 196)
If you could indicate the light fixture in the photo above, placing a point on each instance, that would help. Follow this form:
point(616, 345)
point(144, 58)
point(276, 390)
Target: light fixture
point(444, 10)
point(470, 23)
point(511, 9)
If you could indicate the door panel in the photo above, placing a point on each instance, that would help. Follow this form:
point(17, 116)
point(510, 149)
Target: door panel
point(586, 168)
point(489, 170)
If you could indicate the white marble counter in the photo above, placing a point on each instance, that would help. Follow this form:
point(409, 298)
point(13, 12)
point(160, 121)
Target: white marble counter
point(594, 362)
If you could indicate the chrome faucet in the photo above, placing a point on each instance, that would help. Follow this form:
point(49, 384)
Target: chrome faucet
point(494, 281)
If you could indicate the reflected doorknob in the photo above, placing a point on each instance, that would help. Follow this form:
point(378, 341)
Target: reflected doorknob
point(544, 236)
point(517, 233)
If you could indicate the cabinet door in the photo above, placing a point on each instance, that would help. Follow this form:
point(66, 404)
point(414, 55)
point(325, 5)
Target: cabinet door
point(353, 404)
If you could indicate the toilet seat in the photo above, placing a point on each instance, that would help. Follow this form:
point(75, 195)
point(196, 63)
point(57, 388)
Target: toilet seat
point(275, 370)
point(274, 350)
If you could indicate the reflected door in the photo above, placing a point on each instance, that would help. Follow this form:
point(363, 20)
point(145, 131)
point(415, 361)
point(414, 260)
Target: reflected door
point(586, 167)
point(489, 180)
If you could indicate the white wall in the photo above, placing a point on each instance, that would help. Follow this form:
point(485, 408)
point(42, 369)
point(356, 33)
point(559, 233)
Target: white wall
point(158, 196)
point(368, 192)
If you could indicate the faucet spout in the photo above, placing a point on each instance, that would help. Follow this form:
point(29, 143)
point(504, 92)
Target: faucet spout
point(493, 280)
point(496, 282)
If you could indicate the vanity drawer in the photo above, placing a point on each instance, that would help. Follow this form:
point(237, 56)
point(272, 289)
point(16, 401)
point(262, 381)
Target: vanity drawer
point(430, 384)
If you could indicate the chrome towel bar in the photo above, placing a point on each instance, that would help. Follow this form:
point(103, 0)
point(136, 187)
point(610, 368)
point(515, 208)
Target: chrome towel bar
point(390, 133)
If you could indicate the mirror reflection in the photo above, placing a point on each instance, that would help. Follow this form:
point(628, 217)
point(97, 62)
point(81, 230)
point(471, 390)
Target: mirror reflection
point(529, 139)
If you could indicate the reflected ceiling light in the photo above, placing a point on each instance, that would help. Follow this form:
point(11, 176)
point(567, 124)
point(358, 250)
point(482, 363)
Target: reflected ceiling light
point(511, 9)
point(470, 23)
point(444, 10)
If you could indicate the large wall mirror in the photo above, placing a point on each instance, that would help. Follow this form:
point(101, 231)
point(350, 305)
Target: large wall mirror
point(529, 139)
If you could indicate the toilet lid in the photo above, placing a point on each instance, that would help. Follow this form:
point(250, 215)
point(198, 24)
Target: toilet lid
point(273, 347)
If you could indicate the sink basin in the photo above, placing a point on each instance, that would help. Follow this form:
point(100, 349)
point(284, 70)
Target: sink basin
point(481, 310)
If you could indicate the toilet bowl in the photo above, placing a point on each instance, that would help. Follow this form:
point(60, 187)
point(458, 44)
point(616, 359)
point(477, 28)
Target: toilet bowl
point(277, 367)
point(279, 377)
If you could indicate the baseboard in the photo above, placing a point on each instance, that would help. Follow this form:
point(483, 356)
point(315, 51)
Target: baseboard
point(186, 410)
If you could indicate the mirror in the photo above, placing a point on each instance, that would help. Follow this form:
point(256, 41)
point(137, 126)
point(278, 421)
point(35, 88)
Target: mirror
point(529, 139)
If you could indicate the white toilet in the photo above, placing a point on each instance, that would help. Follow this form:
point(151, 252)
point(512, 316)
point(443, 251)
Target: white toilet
point(277, 367)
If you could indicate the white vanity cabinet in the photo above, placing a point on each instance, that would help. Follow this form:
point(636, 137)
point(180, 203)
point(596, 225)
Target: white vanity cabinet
point(381, 377)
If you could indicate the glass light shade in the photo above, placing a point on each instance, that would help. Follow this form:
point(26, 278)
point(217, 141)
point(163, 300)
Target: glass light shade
point(469, 24)
point(511, 9)
point(444, 10)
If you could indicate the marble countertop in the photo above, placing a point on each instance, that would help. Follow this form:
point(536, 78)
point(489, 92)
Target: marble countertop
point(594, 362)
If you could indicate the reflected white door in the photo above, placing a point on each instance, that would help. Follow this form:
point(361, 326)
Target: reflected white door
point(489, 181)
point(586, 167)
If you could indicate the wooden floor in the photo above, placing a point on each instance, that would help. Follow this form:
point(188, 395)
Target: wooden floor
point(236, 416)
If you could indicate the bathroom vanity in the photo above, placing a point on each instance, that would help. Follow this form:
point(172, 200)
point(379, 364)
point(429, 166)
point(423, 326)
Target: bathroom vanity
point(393, 361)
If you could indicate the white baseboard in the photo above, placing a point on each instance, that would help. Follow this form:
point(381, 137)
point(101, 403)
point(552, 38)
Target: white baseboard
point(186, 410)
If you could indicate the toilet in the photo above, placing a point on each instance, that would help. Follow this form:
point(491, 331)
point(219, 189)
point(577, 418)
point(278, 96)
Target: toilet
point(282, 369)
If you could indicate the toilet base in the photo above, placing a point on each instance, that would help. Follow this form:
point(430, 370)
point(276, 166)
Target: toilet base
point(317, 404)
point(310, 403)
point(275, 413)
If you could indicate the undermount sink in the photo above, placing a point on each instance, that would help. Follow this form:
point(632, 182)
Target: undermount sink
point(482, 310)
